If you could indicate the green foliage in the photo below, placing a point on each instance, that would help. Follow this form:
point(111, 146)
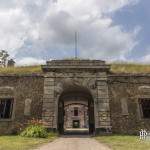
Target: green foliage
point(23, 143)
point(36, 131)
point(124, 142)
point(115, 68)
point(130, 68)
point(21, 70)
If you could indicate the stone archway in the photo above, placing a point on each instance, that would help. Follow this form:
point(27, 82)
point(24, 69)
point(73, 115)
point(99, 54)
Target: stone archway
point(74, 96)
point(77, 76)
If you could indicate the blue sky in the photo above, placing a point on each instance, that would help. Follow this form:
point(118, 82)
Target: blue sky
point(137, 15)
point(39, 30)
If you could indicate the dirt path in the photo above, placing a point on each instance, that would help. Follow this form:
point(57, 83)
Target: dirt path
point(74, 143)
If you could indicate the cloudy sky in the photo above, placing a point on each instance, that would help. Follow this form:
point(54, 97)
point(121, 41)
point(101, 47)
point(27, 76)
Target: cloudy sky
point(33, 31)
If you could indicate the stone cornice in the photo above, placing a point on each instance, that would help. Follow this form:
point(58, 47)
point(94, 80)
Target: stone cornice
point(55, 65)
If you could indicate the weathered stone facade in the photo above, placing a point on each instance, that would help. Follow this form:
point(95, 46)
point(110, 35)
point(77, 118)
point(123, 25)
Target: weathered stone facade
point(61, 76)
point(21, 88)
point(128, 88)
point(113, 99)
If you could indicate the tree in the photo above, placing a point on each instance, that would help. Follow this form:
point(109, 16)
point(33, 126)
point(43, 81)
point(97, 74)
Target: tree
point(3, 58)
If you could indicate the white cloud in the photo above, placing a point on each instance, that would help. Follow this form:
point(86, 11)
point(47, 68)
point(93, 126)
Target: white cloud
point(43, 27)
point(30, 61)
point(146, 57)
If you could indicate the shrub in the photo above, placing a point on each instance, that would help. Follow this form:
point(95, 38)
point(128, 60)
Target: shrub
point(36, 131)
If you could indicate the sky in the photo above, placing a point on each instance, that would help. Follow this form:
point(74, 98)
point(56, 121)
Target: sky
point(33, 31)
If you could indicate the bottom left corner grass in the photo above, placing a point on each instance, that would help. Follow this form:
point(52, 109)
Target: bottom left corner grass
point(32, 137)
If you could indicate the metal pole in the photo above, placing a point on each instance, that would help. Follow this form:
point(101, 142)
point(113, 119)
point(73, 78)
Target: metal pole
point(76, 47)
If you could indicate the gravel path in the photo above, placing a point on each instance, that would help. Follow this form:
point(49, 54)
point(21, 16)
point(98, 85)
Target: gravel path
point(74, 143)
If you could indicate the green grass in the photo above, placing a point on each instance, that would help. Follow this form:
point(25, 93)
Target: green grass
point(22, 143)
point(130, 68)
point(118, 142)
point(21, 70)
point(115, 68)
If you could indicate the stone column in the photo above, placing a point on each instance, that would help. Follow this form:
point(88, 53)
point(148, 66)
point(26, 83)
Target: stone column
point(103, 106)
point(48, 103)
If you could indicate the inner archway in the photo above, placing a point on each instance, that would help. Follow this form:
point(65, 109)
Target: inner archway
point(76, 111)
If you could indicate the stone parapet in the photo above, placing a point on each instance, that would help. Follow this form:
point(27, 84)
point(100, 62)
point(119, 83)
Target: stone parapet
point(75, 64)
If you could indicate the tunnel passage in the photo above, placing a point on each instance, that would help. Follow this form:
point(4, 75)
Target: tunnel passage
point(76, 111)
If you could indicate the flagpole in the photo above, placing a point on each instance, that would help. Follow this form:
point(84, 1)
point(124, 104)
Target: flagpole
point(76, 46)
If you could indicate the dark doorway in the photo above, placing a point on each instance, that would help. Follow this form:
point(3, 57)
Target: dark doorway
point(6, 106)
point(76, 124)
point(145, 107)
point(76, 98)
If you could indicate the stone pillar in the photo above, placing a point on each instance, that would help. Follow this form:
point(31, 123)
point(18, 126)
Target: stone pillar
point(103, 106)
point(48, 103)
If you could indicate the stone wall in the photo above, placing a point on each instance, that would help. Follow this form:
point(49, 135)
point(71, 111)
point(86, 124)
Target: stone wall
point(115, 96)
point(27, 91)
point(125, 91)
point(85, 76)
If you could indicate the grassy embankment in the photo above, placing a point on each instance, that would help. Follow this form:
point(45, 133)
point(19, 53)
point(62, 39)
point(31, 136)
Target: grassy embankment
point(115, 68)
point(124, 142)
point(23, 143)
point(130, 68)
point(21, 70)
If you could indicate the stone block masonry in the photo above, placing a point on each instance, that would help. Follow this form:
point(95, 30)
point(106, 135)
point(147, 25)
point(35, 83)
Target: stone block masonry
point(120, 101)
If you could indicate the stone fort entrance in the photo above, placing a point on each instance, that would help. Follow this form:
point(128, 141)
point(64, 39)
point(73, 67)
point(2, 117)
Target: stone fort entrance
point(68, 82)
point(76, 110)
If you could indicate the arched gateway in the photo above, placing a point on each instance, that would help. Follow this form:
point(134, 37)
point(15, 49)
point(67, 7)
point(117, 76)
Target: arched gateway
point(76, 96)
point(80, 84)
